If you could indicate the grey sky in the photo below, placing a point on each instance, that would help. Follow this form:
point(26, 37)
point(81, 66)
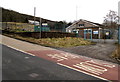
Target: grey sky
point(59, 10)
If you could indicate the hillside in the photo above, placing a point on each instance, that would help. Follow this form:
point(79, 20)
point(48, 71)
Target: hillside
point(13, 16)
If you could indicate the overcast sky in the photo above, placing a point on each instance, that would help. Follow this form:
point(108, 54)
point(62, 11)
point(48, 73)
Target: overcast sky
point(59, 10)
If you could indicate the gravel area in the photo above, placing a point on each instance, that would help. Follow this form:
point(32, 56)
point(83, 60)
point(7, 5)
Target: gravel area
point(98, 51)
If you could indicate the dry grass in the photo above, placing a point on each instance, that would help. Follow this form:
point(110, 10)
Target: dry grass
point(55, 42)
point(116, 53)
point(64, 42)
point(18, 27)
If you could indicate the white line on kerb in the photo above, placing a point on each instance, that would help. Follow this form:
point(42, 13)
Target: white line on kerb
point(82, 71)
point(18, 49)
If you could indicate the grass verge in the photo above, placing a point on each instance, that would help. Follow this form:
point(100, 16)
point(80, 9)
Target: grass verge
point(54, 42)
point(116, 53)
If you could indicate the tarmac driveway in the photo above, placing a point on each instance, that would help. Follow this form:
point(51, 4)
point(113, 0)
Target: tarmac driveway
point(99, 51)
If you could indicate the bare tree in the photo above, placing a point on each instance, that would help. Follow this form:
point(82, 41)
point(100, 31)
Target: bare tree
point(110, 22)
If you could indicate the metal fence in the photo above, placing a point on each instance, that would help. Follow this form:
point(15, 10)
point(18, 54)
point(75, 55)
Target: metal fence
point(109, 35)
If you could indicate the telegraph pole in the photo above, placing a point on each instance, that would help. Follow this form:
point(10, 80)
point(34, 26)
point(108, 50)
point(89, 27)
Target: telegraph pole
point(76, 21)
point(76, 12)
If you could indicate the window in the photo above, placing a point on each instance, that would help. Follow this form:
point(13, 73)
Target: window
point(81, 25)
point(88, 30)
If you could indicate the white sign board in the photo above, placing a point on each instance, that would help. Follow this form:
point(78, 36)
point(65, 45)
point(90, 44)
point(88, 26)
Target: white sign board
point(95, 32)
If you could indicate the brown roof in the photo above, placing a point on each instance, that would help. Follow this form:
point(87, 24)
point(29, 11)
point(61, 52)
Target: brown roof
point(96, 24)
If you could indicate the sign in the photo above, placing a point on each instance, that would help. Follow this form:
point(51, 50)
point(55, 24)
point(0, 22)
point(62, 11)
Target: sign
point(95, 32)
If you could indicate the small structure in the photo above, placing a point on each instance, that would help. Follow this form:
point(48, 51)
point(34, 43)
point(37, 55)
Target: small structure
point(44, 27)
point(32, 22)
point(86, 29)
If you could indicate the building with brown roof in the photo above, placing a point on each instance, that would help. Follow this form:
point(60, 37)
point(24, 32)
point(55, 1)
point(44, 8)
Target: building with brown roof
point(86, 29)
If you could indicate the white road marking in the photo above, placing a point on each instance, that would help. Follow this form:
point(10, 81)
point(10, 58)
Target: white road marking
point(103, 64)
point(91, 67)
point(62, 56)
point(57, 56)
point(68, 55)
point(82, 71)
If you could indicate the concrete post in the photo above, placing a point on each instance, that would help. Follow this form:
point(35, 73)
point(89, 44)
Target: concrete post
point(99, 33)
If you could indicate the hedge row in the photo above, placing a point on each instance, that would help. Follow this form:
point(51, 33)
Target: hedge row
point(43, 34)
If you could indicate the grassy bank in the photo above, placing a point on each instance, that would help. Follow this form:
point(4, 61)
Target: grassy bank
point(54, 42)
point(116, 53)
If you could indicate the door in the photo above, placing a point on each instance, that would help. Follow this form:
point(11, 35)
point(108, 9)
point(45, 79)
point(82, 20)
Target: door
point(87, 33)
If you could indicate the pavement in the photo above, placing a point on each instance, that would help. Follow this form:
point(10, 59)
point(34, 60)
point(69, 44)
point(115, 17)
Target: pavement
point(109, 41)
point(97, 68)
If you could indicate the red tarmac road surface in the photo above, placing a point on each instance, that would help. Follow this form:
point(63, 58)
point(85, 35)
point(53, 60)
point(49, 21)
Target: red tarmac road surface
point(97, 68)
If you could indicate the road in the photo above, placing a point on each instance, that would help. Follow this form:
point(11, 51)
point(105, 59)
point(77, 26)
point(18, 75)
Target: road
point(20, 66)
point(45, 63)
